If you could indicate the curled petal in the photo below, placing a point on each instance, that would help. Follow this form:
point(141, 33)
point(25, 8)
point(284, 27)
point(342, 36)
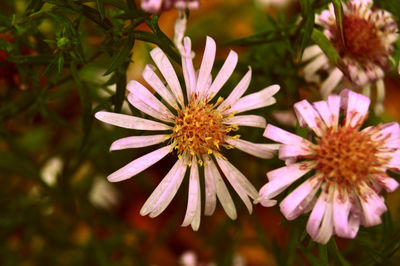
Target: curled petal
point(309, 116)
point(356, 107)
point(192, 215)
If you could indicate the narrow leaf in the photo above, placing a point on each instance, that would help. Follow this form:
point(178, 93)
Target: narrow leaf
point(100, 7)
point(337, 4)
point(122, 55)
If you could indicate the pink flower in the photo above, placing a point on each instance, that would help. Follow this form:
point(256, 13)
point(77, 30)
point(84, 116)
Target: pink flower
point(370, 35)
point(347, 167)
point(195, 128)
point(156, 6)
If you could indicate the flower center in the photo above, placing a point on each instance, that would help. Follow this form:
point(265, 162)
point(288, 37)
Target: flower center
point(362, 40)
point(199, 129)
point(346, 156)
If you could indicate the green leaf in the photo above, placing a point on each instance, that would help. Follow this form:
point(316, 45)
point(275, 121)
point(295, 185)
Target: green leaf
point(308, 14)
point(42, 59)
point(86, 105)
point(337, 4)
point(119, 96)
point(100, 7)
point(326, 46)
point(60, 63)
point(323, 254)
point(122, 55)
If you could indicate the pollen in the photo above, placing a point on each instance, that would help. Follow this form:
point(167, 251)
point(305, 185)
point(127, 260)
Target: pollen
point(199, 129)
point(362, 41)
point(347, 157)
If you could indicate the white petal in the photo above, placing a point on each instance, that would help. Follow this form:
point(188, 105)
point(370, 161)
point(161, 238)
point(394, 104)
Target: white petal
point(224, 74)
point(264, 151)
point(138, 165)
point(331, 82)
point(311, 68)
point(137, 142)
point(131, 122)
point(188, 69)
point(294, 204)
point(155, 82)
point(206, 67)
point(193, 206)
point(145, 108)
point(356, 107)
point(310, 52)
point(211, 196)
point(168, 72)
point(237, 92)
point(221, 189)
point(247, 120)
point(239, 182)
point(307, 115)
point(255, 100)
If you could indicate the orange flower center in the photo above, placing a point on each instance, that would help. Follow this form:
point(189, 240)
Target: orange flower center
point(346, 156)
point(199, 129)
point(361, 37)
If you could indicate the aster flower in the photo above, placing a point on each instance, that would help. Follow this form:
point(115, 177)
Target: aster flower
point(196, 128)
point(369, 36)
point(347, 167)
point(156, 6)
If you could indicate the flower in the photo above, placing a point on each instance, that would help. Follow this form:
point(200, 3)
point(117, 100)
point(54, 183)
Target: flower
point(348, 167)
point(197, 130)
point(369, 36)
point(156, 6)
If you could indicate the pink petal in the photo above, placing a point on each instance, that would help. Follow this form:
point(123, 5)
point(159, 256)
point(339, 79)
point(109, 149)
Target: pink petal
point(356, 107)
point(188, 69)
point(194, 202)
point(247, 120)
point(223, 75)
point(323, 110)
point(239, 182)
point(206, 67)
point(264, 151)
point(222, 191)
point(155, 82)
point(137, 142)
point(211, 196)
point(147, 109)
point(314, 221)
point(280, 179)
point(373, 206)
point(388, 183)
point(307, 115)
point(255, 100)
point(287, 151)
point(294, 204)
point(140, 164)
point(341, 218)
point(282, 136)
point(131, 122)
point(334, 107)
point(168, 72)
point(237, 92)
point(165, 191)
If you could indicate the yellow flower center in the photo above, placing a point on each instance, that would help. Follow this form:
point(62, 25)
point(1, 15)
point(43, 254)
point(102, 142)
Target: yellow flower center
point(362, 40)
point(346, 156)
point(199, 129)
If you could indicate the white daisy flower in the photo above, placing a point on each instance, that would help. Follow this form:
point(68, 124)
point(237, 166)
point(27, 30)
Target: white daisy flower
point(195, 128)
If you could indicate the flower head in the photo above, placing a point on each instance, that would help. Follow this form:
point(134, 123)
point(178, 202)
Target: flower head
point(196, 128)
point(347, 167)
point(369, 37)
point(156, 6)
